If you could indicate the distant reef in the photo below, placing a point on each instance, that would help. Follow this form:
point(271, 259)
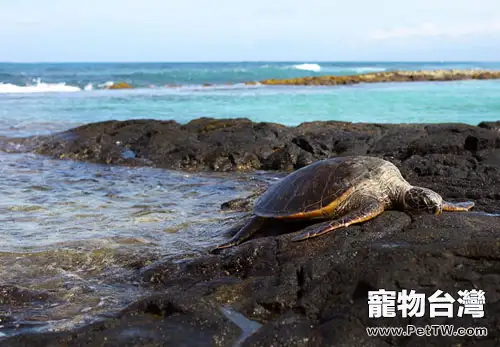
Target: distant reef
point(120, 85)
point(388, 76)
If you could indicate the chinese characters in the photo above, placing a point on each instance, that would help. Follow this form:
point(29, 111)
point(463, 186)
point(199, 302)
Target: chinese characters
point(385, 303)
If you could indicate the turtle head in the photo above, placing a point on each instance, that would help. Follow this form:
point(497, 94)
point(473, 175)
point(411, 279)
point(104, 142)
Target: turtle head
point(423, 199)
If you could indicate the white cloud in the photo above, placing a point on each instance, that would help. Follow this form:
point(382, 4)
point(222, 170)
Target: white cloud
point(432, 30)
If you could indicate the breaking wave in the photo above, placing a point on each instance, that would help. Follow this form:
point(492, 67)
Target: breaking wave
point(37, 87)
point(308, 67)
point(318, 68)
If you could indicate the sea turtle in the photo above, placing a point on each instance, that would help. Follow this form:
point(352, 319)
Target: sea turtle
point(340, 191)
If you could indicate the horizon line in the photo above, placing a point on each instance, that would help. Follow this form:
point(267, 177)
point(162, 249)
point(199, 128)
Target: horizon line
point(241, 61)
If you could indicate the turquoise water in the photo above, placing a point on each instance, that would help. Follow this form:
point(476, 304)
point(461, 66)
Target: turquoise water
point(464, 101)
point(79, 230)
point(42, 98)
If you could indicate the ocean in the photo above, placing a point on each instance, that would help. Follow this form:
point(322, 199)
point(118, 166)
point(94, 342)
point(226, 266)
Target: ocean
point(78, 230)
point(42, 98)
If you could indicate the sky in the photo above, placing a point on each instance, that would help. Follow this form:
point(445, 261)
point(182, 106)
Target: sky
point(262, 30)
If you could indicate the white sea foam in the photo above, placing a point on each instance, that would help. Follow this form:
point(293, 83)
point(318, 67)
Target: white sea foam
point(38, 87)
point(106, 85)
point(308, 67)
point(88, 87)
point(336, 69)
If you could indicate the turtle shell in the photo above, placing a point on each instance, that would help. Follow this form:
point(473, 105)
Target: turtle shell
point(318, 185)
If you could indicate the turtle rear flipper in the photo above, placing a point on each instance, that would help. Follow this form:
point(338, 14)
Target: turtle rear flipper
point(457, 206)
point(250, 228)
point(362, 214)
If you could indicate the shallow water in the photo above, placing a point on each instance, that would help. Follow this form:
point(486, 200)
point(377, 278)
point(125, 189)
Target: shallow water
point(48, 200)
point(247, 326)
point(419, 102)
point(79, 231)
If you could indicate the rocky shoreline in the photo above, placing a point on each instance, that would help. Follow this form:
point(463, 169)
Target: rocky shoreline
point(389, 76)
point(270, 291)
point(226, 145)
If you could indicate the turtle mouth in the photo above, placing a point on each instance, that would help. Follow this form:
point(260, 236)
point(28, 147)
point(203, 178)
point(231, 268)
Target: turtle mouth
point(437, 210)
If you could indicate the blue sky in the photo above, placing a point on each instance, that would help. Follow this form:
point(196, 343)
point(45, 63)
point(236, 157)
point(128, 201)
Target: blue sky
point(228, 30)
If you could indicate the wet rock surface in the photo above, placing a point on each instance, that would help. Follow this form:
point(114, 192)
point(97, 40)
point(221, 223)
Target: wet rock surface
point(241, 145)
point(314, 292)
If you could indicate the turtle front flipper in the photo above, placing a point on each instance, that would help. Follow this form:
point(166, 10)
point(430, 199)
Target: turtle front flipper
point(457, 206)
point(360, 215)
point(250, 228)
